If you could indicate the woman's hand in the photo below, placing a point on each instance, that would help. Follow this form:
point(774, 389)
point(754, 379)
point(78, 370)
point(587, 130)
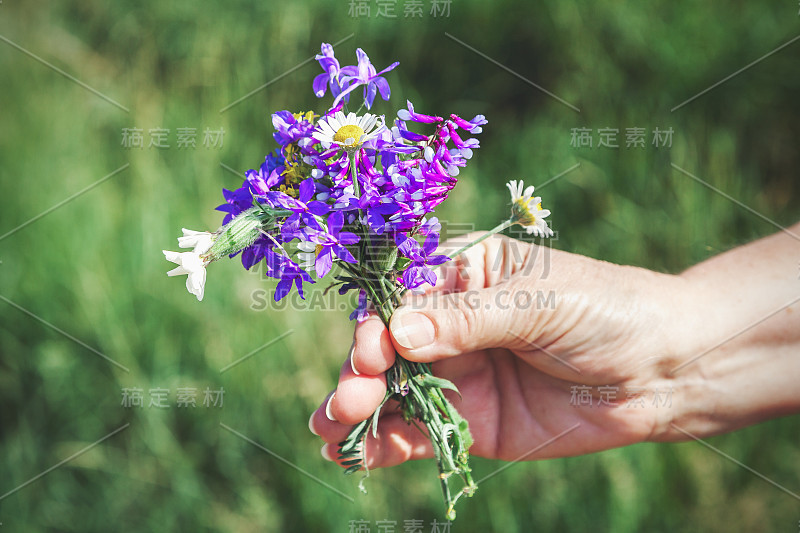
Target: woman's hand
point(557, 354)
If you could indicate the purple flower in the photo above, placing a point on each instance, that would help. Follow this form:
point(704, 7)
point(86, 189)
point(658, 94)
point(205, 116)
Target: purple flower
point(333, 243)
point(400, 131)
point(236, 202)
point(302, 209)
point(256, 252)
point(360, 312)
point(289, 129)
point(364, 74)
point(288, 272)
point(432, 225)
point(417, 271)
point(375, 213)
point(410, 114)
point(372, 203)
point(256, 183)
point(473, 126)
point(262, 180)
point(331, 75)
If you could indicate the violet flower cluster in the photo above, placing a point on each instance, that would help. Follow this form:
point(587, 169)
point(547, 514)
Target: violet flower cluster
point(349, 199)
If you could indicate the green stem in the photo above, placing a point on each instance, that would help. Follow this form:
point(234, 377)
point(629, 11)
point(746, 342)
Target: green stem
point(352, 157)
point(497, 229)
point(426, 404)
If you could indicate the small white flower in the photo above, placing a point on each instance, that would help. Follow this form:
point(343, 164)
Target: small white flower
point(307, 255)
point(526, 210)
point(193, 263)
point(201, 241)
point(350, 131)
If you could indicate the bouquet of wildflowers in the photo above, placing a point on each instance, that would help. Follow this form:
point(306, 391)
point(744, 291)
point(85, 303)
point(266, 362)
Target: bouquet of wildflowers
point(347, 190)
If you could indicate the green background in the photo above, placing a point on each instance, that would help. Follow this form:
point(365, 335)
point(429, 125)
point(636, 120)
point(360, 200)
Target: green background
point(93, 266)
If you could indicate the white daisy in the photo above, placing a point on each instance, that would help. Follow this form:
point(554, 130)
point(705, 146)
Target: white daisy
point(350, 131)
point(526, 210)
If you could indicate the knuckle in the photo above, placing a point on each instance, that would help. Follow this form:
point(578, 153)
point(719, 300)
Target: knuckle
point(467, 320)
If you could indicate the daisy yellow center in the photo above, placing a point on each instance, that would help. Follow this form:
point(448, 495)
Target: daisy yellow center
point(317, 249)
point(351, 131)
point(522, 211)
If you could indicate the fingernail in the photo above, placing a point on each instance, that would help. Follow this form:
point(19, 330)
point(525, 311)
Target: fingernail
point(328, 408)
point(353, 363)
point(412, 330)
point(325, 452)
point(311, 426)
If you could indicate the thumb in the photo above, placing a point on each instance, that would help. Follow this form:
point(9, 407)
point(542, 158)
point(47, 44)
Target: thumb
point(438, 325)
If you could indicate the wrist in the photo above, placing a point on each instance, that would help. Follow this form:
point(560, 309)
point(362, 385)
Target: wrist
point(737, 354)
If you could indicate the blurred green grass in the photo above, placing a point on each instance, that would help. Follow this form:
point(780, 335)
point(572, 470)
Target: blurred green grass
point(94, 268)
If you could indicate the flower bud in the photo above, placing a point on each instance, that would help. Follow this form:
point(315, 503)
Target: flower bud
point(239, 233)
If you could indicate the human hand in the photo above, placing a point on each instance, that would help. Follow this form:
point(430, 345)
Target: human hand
point(489, 327)
point(516, 327)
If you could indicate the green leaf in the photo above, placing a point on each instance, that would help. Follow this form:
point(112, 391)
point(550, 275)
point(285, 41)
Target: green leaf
point(377, 413)
point(375, 417)
point(430, 381)
point(466, 435)
point(355, 437)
